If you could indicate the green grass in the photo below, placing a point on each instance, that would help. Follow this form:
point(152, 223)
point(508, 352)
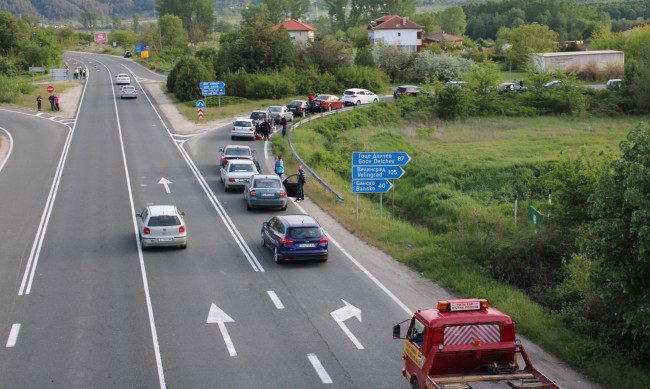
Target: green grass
point(475, 144)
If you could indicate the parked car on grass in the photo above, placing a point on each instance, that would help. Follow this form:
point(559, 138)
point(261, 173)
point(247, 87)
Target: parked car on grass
point(243, 128)
point(455, 83)
point(265, 191)
point(161, 225)
point(406, 90)
point(506, 87)
point(327, 103)
point(298, 107)
point(295, 237)
point(237, 173)
point(122, 79)
point(128, 92)
point(356, 96)
point(280, 111)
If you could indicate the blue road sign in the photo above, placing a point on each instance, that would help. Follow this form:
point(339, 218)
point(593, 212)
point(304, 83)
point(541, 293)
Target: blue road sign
point(380, 158)
point(373, 172)
point(209, 85)
point(221, 85)
point(200, 104)
point(371, 186)
point(221, 91)
point(209, 92)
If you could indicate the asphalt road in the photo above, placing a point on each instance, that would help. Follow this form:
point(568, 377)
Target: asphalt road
point(83, 306)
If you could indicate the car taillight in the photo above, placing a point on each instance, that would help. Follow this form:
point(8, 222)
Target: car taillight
point(233, 129)
point(286, 241)
point(299, 108)
point(146, 230)
point(181, 229)
point(323, 240)
point(252, 129)
point(251, 193)
point(283, 193)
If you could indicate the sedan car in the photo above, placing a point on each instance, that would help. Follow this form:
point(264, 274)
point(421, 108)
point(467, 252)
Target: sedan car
point(265, 191)
point(128, 92)
point(243, 128)
point(235, 152)
point(161, 225)
point(122, 79)
point(357, 96)
point(298, 107)
point(327, 103)
point(280, 111)
point(295, 237)
point(237, 173)
point(406, 90)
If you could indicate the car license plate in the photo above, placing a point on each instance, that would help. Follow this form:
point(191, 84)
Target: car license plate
point(267, 194)
point(307, 245)
point(165, 239)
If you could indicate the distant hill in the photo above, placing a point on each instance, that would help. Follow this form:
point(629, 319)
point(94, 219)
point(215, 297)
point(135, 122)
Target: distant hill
point(61, 10)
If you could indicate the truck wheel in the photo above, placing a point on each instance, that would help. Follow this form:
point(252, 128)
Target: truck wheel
point(414, 384)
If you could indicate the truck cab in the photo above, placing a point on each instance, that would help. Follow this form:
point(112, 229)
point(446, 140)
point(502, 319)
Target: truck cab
point(466, 344)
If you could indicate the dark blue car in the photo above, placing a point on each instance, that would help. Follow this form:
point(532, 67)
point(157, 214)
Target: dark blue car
point(295, 237)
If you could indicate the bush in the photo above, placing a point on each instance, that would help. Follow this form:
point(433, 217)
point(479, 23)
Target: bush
point(9, 89)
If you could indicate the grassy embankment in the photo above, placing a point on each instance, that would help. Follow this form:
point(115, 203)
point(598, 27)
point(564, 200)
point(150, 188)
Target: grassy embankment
point(476, 144)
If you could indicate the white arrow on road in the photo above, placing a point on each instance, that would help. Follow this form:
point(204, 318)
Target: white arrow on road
point(217, 315)
point(165, 182)
point(344, 313)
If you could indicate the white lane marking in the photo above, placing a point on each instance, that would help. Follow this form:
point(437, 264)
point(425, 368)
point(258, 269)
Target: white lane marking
point(276, 300)
point(11, 146)
point(344, 313)
point(217, 315)
point(165, 182)
point(320, 370)
point(13, 335)
point(365, 271)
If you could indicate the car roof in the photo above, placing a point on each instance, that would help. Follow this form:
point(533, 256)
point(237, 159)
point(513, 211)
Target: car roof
point(260, 111)
point(241, 161)
point(408, 86)
point(299, 220)
point(265, 177)
point(357, 90)
point(128, 87)
point(297, 101)
point(228, 147)
point(243, 119)
point(158, 210)
point(122, 75)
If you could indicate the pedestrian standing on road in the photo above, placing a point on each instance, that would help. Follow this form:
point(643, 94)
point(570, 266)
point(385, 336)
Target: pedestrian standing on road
point(76, 73)
point(279, 166)
point(51, 100)
point(56, 103)
point(266, 129)
point(38, 102)
point(283, 123)
point(302, 179)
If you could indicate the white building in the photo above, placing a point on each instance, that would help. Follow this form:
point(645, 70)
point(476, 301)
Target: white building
point(298, 31)
point(577, 60)
point(394, 30)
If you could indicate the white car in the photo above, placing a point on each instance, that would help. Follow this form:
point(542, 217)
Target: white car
point(243, 128)
point(128, 92)
point(162, 225)
point(357, 96)
point(237, 173)
point(122, 79)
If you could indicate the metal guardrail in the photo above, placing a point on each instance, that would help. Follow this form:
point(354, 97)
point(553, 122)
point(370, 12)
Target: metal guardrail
point(302, 162)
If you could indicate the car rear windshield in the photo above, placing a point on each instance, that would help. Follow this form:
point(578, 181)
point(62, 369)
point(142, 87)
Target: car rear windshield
point(258, 115)
point(304, 232)
point(275, 109)
point(238, 151)
point(241, 168)
point(349, 92)
point(267, 184)
point(243, 124)
point(295, 102)
point(164, 221)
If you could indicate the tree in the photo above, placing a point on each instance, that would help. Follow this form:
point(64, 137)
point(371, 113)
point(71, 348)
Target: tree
point(197, 16)
point(483, 79)
point(524, 40)
point(124, 39)
point(185, 77)
point(620, 238)
point(392, 59)
point(299, 9)
point(452, 20)
point(637, 75)
point(136, 22)
point(89, 20)
point(172, 34)
point(13, 33)
point(328, 53)
point(117, 22)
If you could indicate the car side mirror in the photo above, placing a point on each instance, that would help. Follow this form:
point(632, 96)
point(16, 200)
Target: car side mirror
point(397, 329)
point(138, 215)
point(182, 213)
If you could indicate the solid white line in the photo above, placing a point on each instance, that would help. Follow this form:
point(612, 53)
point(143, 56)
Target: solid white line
point(276, 300)
point(13, 335)
point(365, 271)
point(226, 338)
point(11, 146)
point(350, 335)
point(320, 370)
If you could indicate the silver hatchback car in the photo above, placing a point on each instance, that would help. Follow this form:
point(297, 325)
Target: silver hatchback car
point(162, 225)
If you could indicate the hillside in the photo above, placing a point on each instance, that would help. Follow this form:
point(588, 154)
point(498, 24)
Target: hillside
point(61, 10)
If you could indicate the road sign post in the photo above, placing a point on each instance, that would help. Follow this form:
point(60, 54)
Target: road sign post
point(50, 89)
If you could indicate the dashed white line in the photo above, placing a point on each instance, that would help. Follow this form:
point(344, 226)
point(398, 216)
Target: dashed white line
point(322, 373)
point(276, 300)
point(13, 335)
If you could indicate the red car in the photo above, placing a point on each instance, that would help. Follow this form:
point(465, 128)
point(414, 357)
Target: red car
point(327, 103)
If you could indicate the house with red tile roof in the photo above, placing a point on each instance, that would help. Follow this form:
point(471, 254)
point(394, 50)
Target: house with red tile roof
point(298, 31)
point(395, 30)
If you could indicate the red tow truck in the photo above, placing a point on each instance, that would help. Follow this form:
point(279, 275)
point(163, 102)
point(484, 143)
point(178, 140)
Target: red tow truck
point(466, 344)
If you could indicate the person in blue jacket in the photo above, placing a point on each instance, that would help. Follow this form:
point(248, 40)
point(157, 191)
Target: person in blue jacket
point(279, 166)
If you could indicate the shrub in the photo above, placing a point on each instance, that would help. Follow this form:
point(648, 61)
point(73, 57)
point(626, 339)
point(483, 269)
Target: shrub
point(9, 90)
